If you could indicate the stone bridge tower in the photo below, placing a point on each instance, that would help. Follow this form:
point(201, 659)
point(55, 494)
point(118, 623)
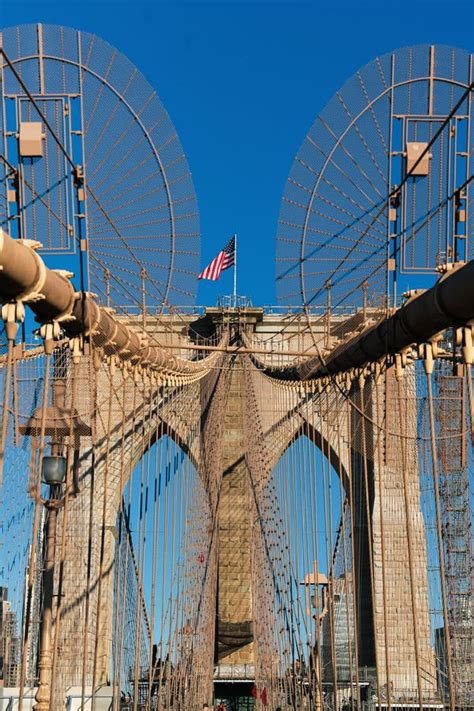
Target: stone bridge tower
point(381, 592)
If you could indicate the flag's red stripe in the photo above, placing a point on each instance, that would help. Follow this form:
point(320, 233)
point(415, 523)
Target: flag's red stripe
point(224, 260)
point(214, 269)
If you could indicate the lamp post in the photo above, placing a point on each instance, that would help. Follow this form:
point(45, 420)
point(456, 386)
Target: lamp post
point(61, 424)
point(53, 474)
point(319, 601)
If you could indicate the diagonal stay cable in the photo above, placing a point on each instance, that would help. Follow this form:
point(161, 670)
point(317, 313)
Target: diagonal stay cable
point(38, 109)
point(68, 157)
point(35, 194)
point(397, 188)
point(392, 194)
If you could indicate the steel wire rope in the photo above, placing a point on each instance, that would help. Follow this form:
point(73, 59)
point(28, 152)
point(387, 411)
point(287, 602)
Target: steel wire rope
point(35, 484)
point(133, 599)
point(127, 511)
point(164, 566)
point(144, 462)
point(377, 268)
point(123, 241)
point(266, 547)
point(265, 591)
point(205, 578)
point(324, 470)
point(292, 577)
point(356, 515)
point(69, 159)
point(286, 599)
point(344, 497)
point(37, 195)
point(10, 367)
point(439, 533)
point(186, 558)
point(279, 535)
point(370, 534)
point(125, 465)
point(118, 577)
point(37, 108)
point(158, 317)
point(388, 692)
point(288, 579)
point(37, 455)
point(379, 443)
point(209, 574)
point(330, 527)
point(166, 182)
point(295, 578)
point(180, 651)
point(414, 606)
point(394, 191)
point(69, 490)
point(311, 457)
point(89, 560)
point(277, 638)
point(172, 586)
point(179, 543)
point(102, 552)
point(155, 534)
point(116, 649)
point(307, 565)
point(294, 566)
point(346, 394)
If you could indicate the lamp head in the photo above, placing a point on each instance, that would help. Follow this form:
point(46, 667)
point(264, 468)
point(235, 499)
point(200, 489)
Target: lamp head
point(54, 470)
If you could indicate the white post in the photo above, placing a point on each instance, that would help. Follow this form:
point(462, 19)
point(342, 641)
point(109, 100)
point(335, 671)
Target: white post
point(235, 272)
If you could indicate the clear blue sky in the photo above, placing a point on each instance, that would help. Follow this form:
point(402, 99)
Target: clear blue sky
point(243, 81)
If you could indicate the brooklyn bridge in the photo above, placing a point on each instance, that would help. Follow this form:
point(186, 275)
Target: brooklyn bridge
point(234, 506)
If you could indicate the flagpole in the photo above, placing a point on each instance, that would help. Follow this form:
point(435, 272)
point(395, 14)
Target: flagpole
point(235, 272)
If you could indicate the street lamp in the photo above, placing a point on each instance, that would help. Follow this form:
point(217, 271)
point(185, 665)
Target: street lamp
point(53, 474)
point(64, 428)
point(54, 470)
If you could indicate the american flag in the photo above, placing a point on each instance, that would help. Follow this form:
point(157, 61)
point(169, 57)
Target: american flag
point(224, 260)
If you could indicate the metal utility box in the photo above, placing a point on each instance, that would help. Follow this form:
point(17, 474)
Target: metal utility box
point(31, 139)
point(414, 151)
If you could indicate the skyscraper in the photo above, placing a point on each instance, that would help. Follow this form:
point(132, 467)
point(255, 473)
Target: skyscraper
point(9, 642)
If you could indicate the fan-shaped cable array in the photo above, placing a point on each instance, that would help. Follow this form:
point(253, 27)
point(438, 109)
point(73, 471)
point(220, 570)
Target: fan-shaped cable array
point(140, 212)
point(337, 234)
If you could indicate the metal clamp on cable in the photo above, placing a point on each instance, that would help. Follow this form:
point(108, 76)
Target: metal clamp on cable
point(50, 333)
point(13, 314)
